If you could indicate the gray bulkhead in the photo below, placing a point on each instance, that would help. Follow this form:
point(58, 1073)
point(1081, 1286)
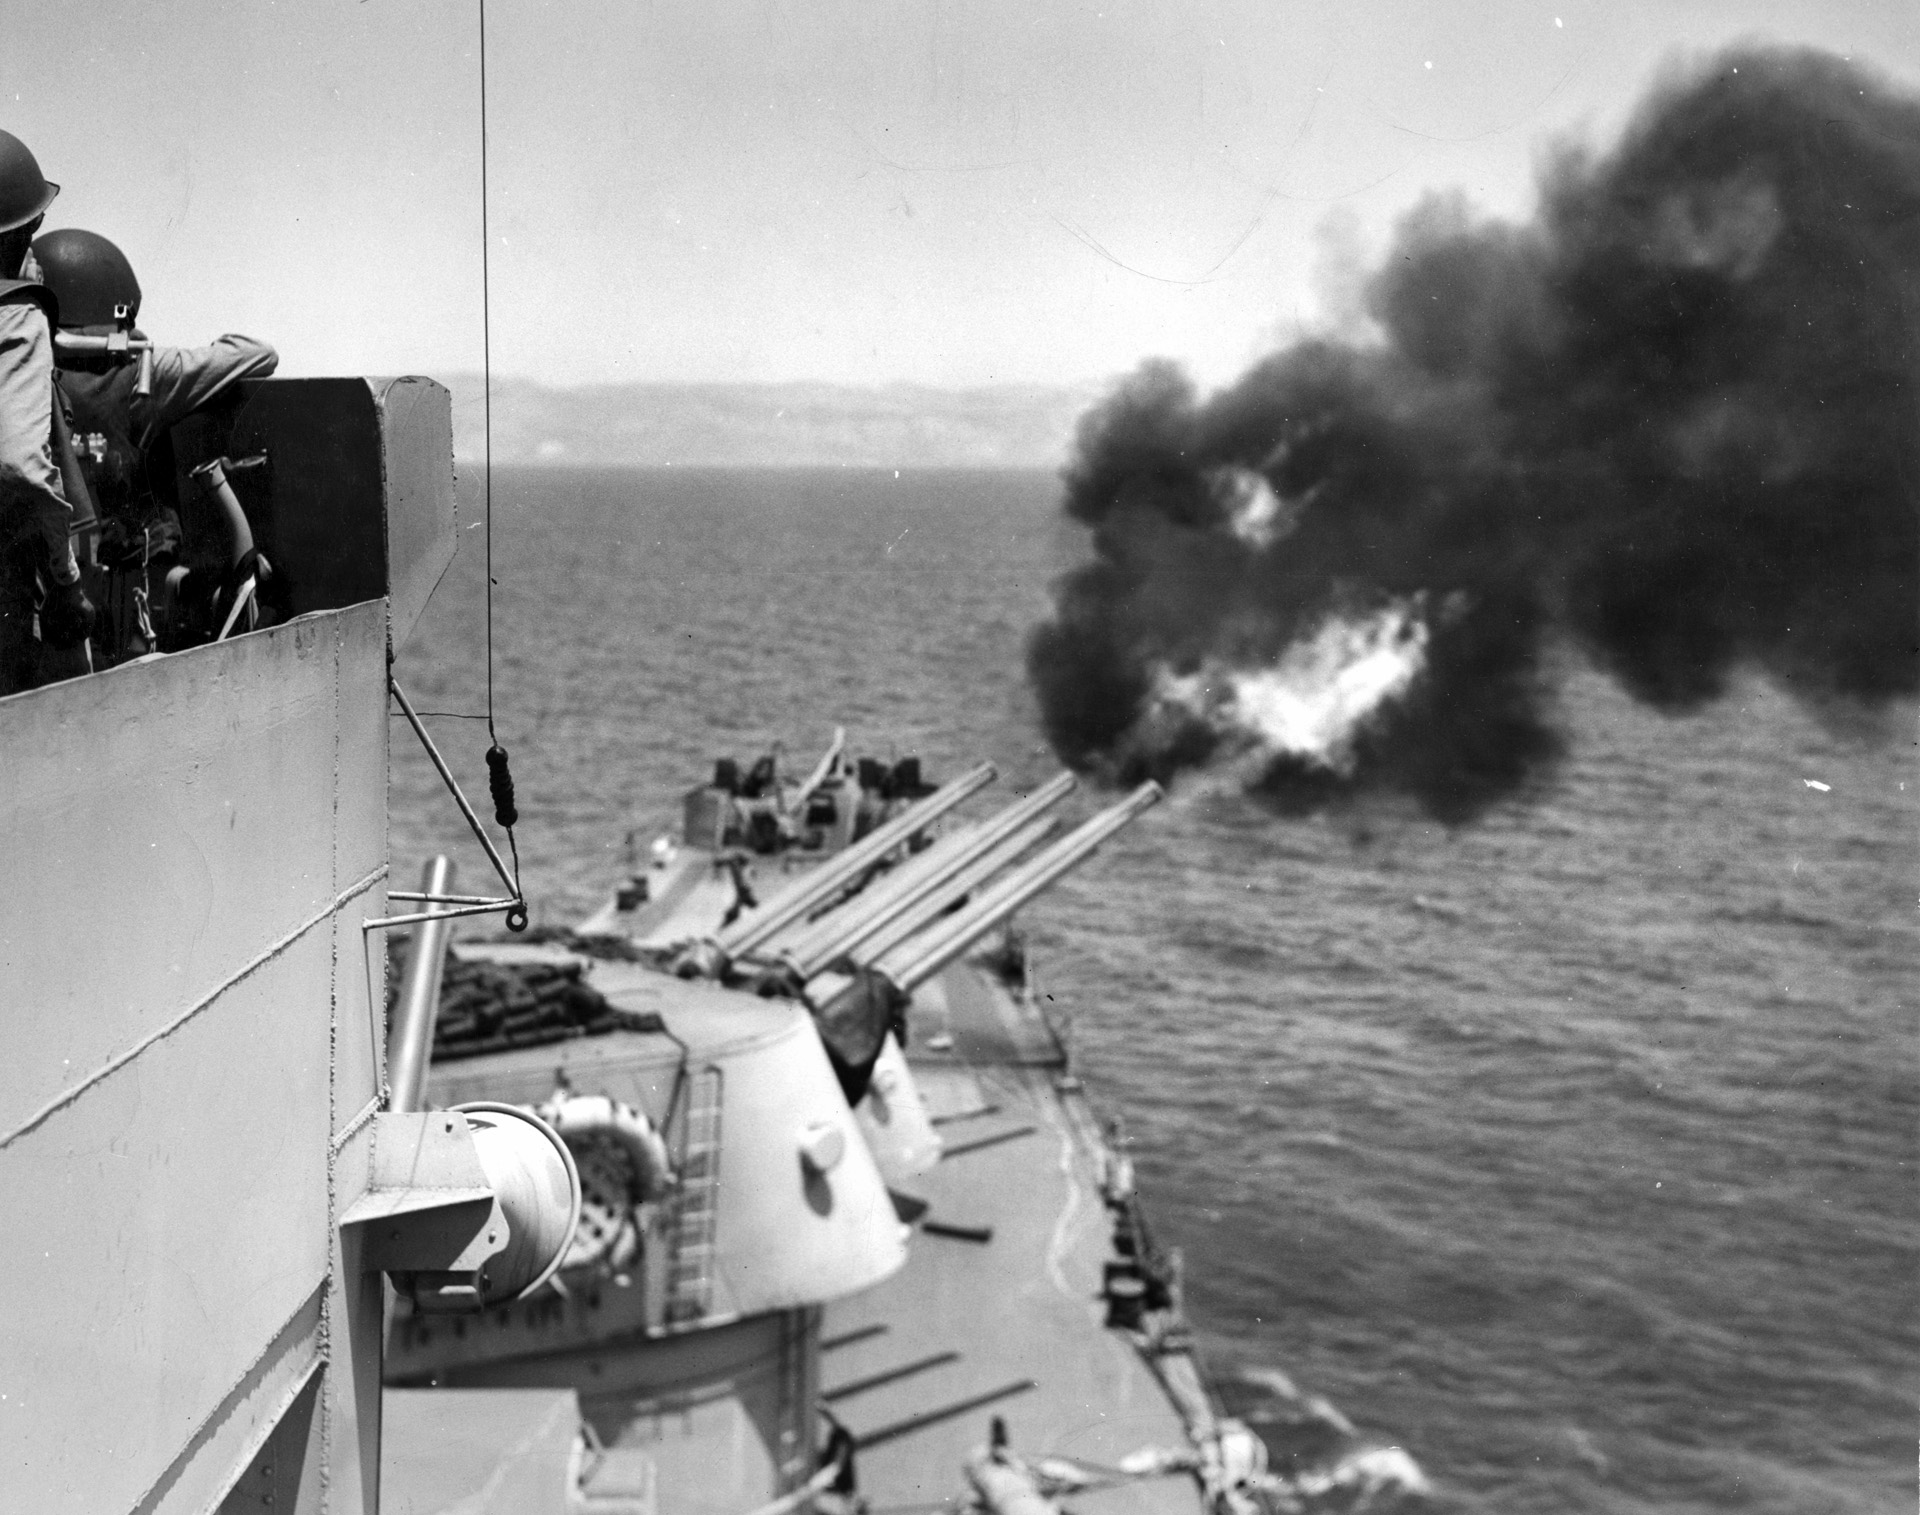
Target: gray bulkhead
point(194, 1017)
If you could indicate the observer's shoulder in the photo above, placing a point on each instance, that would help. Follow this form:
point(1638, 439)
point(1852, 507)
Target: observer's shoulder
point(24, 317)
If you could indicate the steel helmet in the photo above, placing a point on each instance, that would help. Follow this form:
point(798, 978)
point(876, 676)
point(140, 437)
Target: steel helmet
point(24, 191)
point(88, 275)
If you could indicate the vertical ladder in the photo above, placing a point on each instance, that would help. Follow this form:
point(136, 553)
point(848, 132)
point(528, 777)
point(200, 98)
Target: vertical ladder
point(690, 1264)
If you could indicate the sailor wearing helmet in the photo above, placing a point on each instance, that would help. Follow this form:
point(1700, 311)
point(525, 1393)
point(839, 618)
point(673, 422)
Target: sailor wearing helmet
point(120, 410)
point(39, 476)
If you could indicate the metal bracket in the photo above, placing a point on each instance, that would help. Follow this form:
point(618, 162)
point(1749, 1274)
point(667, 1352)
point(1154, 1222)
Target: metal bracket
point(428, 1215)
point(516, 906)
point(486, 907)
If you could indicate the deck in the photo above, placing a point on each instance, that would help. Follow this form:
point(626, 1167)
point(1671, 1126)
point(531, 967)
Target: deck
point(1012, 1324)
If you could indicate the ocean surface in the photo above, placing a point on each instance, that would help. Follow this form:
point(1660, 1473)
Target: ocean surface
point(1574, 1151)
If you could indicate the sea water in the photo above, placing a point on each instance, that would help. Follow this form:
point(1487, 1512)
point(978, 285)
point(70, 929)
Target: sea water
point(1573, 1151)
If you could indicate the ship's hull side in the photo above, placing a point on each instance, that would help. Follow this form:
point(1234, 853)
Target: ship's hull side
point(194, 1015)
point(190, 1032)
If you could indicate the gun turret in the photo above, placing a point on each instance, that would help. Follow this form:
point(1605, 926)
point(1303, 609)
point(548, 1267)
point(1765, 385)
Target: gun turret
point(840, 932)
point(855, 1014)
point(710, 958)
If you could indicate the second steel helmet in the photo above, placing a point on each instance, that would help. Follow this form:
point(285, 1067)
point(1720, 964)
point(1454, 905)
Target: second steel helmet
point(88, 275)
point(24, 191)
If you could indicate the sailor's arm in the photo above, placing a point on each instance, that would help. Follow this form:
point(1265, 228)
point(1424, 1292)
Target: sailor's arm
point(185, 378)
point(29, 477)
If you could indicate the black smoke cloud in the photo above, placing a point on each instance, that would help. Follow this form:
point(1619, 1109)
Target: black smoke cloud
point(1674, 418)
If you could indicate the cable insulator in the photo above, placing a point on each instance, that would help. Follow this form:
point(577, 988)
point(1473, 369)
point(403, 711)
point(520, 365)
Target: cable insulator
point(500, 781)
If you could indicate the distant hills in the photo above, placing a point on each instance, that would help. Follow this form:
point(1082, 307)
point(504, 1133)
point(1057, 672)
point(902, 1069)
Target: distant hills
point(771, 425)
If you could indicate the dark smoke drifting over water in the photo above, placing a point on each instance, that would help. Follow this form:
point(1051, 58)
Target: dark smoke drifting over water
point(1674, 419)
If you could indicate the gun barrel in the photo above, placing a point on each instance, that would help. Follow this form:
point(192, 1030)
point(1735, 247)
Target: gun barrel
point(881, 937)
point(829, 760)
point(801, 934)
point(410, 1040)
point(915, 961)
point(829, 878)
point(838, 933)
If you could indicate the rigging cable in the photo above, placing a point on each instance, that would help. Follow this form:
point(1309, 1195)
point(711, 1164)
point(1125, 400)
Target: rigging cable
point(486, 366)
point(499, 775)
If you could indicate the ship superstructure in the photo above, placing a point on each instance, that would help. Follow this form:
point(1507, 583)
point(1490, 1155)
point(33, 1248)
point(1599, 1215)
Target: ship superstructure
point(208, 1195)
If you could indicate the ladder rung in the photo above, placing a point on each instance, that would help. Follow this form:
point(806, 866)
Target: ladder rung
point(690, 1260)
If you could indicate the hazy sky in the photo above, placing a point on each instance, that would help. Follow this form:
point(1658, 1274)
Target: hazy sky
point(951, 193)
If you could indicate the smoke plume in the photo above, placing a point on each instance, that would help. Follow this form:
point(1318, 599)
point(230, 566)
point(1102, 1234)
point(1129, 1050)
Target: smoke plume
point(1673, 419)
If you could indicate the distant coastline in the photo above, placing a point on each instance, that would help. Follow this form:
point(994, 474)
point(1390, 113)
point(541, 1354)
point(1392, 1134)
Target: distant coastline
point(770, 425)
